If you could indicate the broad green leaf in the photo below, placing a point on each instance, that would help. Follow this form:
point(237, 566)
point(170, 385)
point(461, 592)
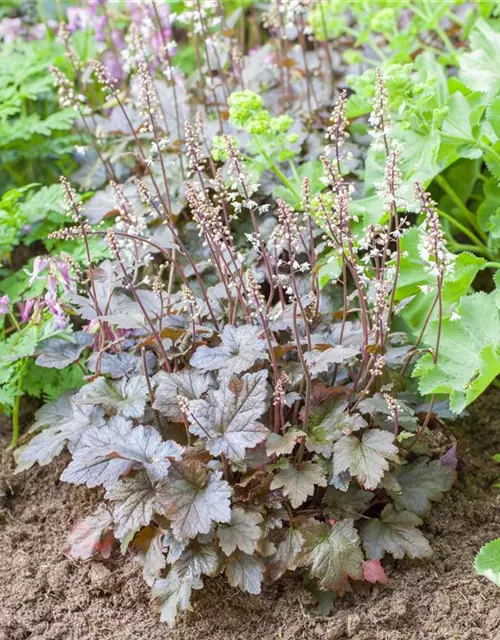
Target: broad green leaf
point(489, 208)
point(241, 347)
point(228, 421)
point(297, 483)
point(479, 69)
point(332, 553)
point(421, 482)
point(245, 571)
point(365, 459)
point(171, 595)
point(469, 354)
point(487, 562)
point(242, 532)
point(395, 532)
point(194, 498)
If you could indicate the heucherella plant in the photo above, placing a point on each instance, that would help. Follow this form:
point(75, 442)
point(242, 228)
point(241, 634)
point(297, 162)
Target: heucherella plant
point(240, 421)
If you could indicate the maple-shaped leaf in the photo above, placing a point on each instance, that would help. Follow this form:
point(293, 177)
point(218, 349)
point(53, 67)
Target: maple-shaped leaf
point(194, 498)
point(92, 534)
point(121, 365)
point(282, 445)
point(395, 533)
point(126, 397)
point(240, 348)
point(374, 572)
point(320, 361)
point(332, 553)
point(188, 383)
point(197, 560)
point(347, 504)
point(286, 553)
point(421, 482)
point(135, 502)
point(150, 553)
point(297, 483)
point(107, 453)
point(58, 353)
point(245, 572)
point(487, 562)
point(242, 532)
point(171, 595)
point(69, 425)
point(322, 435)
point(365, 459)
point(228, 419)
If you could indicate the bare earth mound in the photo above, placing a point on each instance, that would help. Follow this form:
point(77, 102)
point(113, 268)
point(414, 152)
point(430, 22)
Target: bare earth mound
point(44, 596)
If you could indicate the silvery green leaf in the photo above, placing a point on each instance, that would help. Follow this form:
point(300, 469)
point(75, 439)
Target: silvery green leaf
point(283, 445)
point(70, 423)
point(152, 558)
point(197, 560)
point(347, 504)
point(175, 547)
point(322, 436)
point(382, 414)
point(319, 361)
point(291, 398)
point(135, 501)
point(395, 532)
point(107, 453)
point(245, 572)
point(52, 413)
point(365, 459)
point(340, 481)
point(332, 553)
point(228, 420)
point(58, 353)
point(286, 553)
point(241, 347)
point(242, 532)
point(121, 365)
point(297, 483)
point(194, 498)
point(171, 595)
point(188, 383)
point(421, 482)
point(126, 397)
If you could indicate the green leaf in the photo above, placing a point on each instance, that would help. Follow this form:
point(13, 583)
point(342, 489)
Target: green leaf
point(395, 533)
point(333, 554)
point(487, 562)
point(479, 69)
point(421, 482)
point(365, 459)
point(298, 482)
point(469, 355)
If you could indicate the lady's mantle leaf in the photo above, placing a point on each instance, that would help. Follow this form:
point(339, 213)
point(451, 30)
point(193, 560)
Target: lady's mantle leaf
point(394, 533)
point(243, 532)
point(126, 397)
point(194, 498)
point(487, 561)
point(172, 594)
point(90, 535)
point(58, 353)
point(333, 554)
point(374, 572)
point(420, 482)
point(319, 361)
point(469, 354)
point(228, 419)
point(366, 458)
point(188, 383)
point(286, 553)
point(298, 483)
point(245, 572)
point(241, 347)
point(107, 453)
point(479, 68)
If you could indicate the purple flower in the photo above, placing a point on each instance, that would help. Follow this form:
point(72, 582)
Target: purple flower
point(113, 66)
point(39, 265)
point(4, 305)
point(100, 23)
point(10, 28)
point(78, 18)
point(28, 306)
point(93, 6)
point(56, 311)
point(63, 270)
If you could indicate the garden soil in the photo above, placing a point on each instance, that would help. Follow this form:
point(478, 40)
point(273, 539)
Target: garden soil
point(45, 596)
